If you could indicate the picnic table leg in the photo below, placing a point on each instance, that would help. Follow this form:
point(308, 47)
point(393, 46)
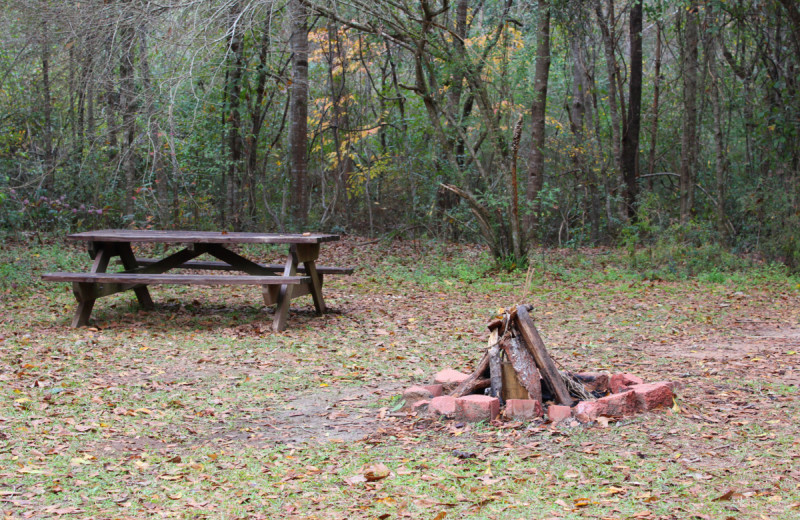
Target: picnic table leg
point(308, 254)
point(129, 262)
point(316, 286)
point(285, 294)
point(85, 292)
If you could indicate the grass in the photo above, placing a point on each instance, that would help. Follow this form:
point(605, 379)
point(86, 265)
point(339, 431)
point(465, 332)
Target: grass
point(197, 410)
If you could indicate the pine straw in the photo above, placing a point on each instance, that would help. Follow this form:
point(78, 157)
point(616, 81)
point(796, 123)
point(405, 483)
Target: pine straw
point(575, 387)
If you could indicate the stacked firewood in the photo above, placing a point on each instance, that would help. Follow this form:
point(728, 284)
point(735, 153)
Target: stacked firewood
point(517, 365)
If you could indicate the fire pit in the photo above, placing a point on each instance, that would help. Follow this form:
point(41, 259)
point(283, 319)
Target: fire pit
point(517, 379)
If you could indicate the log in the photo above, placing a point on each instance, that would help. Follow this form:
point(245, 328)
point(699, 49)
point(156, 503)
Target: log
point(496, 372)
point(497, 323)
point(512, 389)
point(544, 362)
point(478, 380)
point(524, 366)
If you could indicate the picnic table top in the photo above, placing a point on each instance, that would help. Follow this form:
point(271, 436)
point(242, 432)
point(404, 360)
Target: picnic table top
point(200, 237)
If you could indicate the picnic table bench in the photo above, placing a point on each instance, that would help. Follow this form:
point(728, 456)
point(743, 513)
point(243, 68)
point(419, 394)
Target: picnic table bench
point(298, 276)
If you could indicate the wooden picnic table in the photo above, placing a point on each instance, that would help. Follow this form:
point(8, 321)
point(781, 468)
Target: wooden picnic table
point(280, 283)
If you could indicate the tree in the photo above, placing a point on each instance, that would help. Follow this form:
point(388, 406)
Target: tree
point(689, 144)
point(630, 136)
point(538, 115)
point(298, 112)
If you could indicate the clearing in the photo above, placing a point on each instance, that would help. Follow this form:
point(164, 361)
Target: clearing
point(197, 410)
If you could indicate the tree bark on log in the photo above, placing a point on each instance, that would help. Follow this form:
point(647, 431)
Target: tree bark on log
point(544, 362)
point(496, 372)
point(478, 380)
point(525, 367)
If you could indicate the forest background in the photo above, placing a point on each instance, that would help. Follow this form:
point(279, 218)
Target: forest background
point(667, 124)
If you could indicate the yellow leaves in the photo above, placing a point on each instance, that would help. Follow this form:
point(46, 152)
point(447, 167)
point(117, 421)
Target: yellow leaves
point(612, 490)
point(81, 461)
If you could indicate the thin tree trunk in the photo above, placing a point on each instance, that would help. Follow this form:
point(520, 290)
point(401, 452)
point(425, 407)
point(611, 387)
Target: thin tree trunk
point(128, 107)
point(258, 112)
point(611, 69)
point(47, 109)
point(157, 162)
point(233, 203)
point(719, 145)
point(630, 138)
point(689, 137)
point(538, 113)
point(651, 161)
point(339, 120)
point(298, 128)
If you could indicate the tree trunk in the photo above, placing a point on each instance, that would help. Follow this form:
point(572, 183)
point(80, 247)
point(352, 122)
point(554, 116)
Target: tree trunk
point(719, 145)
point(258, 109)
point(298, 128)
point(538, 113)
point(339, 119)
point(233, 205)
point(630, 138)
point(157, 162)
point(606, 29)
point(128, 107)
point(651, 161)
point(689, 144)
point(47, 108)
point(581, 117)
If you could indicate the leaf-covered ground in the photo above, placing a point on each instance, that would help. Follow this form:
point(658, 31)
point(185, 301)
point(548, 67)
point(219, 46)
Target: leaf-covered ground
point(198, 410)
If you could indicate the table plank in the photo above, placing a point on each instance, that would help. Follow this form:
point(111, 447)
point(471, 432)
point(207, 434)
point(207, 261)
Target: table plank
point(173, 279)
point(200, 237)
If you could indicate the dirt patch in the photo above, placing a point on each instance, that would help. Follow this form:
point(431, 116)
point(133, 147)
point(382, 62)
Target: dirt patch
point(328, 415)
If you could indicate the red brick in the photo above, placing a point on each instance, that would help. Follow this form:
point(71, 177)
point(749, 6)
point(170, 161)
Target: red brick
point(443, 405)
point(474, 408)
point(652, 395)
point(587, 411)
point(594, 381)
point(414, 394)
point(614, 405)
point(449, 379)
point(523, 409)
point(435, 390)
point(421, 406)
point(621, 382)
point(557, 413)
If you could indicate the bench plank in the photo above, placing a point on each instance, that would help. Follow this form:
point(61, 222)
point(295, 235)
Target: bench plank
point(173, 279)
point(208, 265)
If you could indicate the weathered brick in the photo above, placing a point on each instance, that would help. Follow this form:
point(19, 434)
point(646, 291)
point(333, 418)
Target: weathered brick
point(449, 379)
point(614, 405)
point(443, 405)
point(474, 408)
point(594, 381)
point(621, 382)
point(557, 413)
point(414, 394)
point(523, 409)
point(652, 395)
point(421, 407)
point(435, 390)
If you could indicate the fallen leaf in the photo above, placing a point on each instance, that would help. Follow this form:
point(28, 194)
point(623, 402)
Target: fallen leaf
point(355, 479)
point(727, 496)
point(375, 472)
